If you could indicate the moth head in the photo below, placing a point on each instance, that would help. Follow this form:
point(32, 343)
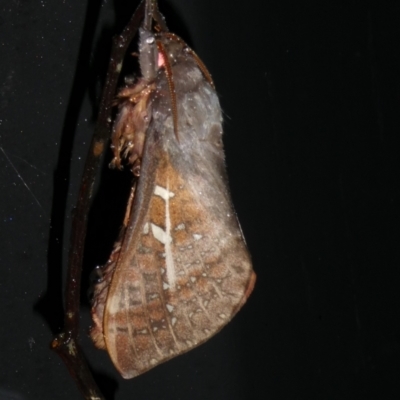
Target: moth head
point(158, 49)
point(172, 47)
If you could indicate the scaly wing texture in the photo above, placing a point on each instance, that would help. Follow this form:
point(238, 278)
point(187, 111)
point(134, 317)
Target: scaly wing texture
point(189, 275)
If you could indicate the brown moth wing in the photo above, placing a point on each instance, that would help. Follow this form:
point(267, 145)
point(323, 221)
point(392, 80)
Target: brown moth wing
point(182, 270)
point(189, 274)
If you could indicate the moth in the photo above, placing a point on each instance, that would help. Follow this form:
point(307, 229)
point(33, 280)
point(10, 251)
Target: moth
point(180, 269)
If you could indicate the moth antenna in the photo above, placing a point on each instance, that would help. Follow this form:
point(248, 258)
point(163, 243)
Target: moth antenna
point(201, 65)
point(197, 59)
point(171, 86)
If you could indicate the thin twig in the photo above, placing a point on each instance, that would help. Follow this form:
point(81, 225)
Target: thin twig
point(66, 343)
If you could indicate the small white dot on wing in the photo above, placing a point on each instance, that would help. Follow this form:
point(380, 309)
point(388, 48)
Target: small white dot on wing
point(180, 227)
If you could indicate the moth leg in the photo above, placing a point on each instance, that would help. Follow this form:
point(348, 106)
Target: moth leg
point(128, 211)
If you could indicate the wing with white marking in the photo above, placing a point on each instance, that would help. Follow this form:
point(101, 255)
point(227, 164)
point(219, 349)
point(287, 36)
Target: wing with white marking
point(181, 269)
point(183, 279)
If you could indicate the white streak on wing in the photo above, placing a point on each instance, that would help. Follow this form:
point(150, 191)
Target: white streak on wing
point(113, 305)
point(163, 193)
point(171, 276)
point(146, 228)
point(162, 236)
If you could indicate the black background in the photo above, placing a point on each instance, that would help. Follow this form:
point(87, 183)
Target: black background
point(311, 97)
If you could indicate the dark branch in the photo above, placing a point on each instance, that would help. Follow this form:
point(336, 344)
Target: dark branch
point(66, 343)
